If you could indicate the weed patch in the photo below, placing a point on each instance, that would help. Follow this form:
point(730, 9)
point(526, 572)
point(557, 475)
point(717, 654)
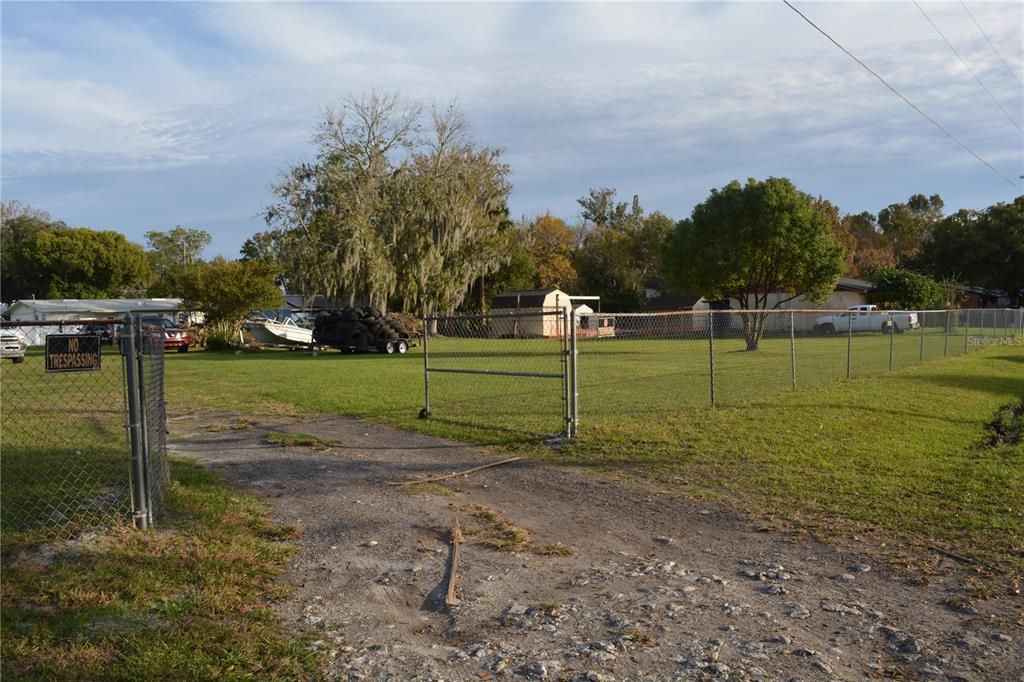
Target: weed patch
point(288, 439)
point(1007, 427)
point(495, 531)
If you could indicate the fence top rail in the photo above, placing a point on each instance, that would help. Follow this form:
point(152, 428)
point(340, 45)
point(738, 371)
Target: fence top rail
point(494, 314)
point(7, 324)
point(817, 311)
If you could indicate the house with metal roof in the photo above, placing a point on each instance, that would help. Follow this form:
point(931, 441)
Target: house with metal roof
point(71, 309)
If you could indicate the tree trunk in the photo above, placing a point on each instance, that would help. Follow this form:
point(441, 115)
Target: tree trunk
point(753, 328)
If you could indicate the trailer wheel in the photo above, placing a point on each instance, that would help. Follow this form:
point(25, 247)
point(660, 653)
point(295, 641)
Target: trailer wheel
point(402, 346)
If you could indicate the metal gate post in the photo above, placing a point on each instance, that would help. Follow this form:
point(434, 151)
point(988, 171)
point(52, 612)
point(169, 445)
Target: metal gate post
point(849, 344)
point(140, 506)
point(147, 476)
point(711, 351)
point(792, 347)
point(945, 336)
point(921, 322)
point(892, 338)
point(967, 328)
point(573, 368)
point(425, 412)
point(563, 329)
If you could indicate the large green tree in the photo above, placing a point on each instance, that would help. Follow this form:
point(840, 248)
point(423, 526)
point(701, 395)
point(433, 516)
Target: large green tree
point(173, 252)
point(619, 254)
point(747, 242)
point(550, 243)
point(226, 291)
point(867, 247)
point(388, 212)
point(51, 260)
point(983, 248)
point(907, 225)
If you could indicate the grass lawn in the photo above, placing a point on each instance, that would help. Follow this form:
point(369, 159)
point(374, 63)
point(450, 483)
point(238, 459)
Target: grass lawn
point(190, 601)
point(899, 452)
point(63, 449)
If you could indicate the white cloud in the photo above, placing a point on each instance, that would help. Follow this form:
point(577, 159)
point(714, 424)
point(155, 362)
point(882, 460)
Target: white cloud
point(670, 96)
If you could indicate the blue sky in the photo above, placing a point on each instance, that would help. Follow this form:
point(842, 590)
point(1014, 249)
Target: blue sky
point(142, 116)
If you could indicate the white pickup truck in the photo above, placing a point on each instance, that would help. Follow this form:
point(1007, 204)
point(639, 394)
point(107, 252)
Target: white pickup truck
point(866, 318)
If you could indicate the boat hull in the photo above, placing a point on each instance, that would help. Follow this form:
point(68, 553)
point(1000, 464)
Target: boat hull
point(275, 334)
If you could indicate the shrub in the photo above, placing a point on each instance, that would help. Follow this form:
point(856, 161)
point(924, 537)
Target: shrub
point(218, 341)
point(906, 290)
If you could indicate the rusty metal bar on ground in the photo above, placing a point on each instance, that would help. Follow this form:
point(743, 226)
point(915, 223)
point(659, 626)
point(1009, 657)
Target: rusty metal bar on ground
point(450, 599)
point(454, 474)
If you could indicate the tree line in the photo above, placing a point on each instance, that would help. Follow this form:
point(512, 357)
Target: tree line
point(402, 209)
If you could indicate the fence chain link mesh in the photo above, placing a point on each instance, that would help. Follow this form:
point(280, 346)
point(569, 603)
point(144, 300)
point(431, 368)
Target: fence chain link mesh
point(726, 357)
point(507, 371)
point(65, 455)
point(518, 370)
point(151, 380)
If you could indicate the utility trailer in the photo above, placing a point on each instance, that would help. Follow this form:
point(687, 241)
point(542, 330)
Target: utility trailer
point(360, 330)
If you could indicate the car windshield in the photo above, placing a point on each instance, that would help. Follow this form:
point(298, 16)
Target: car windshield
point(160, 322)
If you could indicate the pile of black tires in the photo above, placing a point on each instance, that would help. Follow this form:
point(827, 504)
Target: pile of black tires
point(359, 330)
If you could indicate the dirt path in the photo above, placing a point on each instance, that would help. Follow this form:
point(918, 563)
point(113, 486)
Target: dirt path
point(651, 587)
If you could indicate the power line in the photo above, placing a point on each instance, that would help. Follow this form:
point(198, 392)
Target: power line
point(967, 66)
point(900, 95)
point(1012, 74)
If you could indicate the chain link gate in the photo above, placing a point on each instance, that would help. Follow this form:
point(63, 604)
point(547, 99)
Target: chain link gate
point(507, 370)
point(82, 429)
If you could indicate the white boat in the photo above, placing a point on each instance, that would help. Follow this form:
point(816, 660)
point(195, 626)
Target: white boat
point(279, 332)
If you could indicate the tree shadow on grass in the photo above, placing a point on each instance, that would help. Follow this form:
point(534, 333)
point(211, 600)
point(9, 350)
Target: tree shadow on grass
point(995, 385)
point(1009, 358)
point(842, 407)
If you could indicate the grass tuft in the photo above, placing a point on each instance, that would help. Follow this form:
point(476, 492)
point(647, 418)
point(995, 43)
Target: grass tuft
point(495, 531)
point(288, 439)
point(554, 549)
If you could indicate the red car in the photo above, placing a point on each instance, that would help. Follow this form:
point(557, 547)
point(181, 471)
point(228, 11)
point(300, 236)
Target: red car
point(174, 336)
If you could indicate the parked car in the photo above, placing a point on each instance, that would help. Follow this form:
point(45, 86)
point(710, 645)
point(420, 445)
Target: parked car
point(12, 346)
point(174, 336)
point(104, 331)
point(866, 318)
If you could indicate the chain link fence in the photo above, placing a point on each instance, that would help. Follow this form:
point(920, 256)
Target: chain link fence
point(69, 460)
point(527, 371)
point(659, 361)
point(508, 371)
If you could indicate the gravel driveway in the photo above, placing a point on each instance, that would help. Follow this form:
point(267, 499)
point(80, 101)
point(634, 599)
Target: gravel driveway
point(609, 581)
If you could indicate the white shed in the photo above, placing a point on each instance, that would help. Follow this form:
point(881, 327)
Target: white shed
point(505, 306)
